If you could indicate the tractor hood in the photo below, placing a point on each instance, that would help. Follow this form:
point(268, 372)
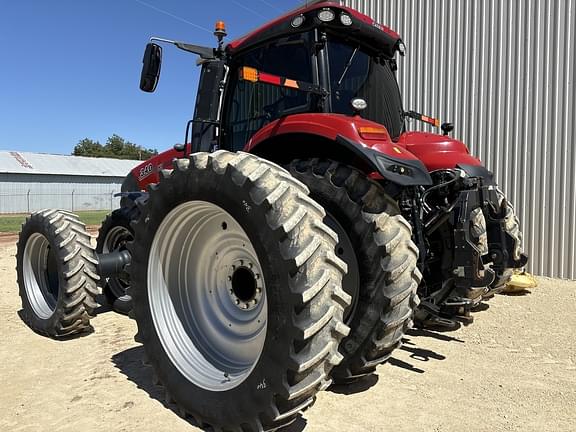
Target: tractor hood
point(360, 27)
point(438, 151)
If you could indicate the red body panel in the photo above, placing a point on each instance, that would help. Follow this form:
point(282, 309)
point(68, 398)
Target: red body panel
point(437, 151)
point(148, 172)
point(238, 43)
point(329, 126)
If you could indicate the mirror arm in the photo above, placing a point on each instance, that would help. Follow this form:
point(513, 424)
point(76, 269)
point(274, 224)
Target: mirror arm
point(204, 52)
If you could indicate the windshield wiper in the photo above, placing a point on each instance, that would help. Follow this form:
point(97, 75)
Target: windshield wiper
point(348, 66)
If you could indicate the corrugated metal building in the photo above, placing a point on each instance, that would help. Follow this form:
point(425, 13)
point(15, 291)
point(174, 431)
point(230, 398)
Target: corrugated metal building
point(30, 182)
point(503, 71)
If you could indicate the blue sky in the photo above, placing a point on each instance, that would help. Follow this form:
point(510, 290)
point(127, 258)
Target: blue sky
point(70, 69)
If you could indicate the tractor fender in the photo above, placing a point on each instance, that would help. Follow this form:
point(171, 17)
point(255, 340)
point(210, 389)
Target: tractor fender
point(403, 172)
point(276, 141)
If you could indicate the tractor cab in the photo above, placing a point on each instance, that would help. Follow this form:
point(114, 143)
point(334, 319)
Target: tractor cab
point(319, 81)
point(324, 59)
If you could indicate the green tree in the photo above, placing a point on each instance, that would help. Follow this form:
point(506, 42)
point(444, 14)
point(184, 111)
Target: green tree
point(116, 147)
point(88, 147)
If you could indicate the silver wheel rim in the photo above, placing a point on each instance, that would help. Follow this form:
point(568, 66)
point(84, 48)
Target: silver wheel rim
point(116, 239)
point(38, 278)
point(207, 296)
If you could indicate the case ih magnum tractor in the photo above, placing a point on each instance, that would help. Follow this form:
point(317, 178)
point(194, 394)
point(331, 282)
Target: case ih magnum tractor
point(282, 247)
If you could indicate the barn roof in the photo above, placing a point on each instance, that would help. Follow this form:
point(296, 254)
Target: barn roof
point(13, 162)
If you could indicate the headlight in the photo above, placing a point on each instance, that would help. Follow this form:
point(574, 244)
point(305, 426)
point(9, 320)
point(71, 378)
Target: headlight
point(298, 21)
point(326, 15)
point(346, 19)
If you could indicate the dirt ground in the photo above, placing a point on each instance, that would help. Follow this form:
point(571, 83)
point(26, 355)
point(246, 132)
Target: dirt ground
point(514, 369)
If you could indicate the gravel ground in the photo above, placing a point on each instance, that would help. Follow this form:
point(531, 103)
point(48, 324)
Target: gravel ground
point(514, 369)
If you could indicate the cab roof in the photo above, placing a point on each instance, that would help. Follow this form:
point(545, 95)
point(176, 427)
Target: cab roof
point(379, 36)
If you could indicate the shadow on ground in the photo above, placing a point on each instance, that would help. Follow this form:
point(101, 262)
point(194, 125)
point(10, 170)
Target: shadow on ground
point(130, 364)
point(420, 356)
point(517, 294)
point(356, 387)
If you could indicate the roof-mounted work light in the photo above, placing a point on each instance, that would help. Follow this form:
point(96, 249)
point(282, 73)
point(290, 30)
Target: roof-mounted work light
point(326, 15)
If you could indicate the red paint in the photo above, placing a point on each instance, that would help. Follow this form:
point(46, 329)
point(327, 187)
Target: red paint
point(238, 43)
point(437, 151)
point(270, 79)
point(146, 176)
point(329, 126)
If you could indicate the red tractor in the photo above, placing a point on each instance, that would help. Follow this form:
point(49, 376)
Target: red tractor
point(255, 286)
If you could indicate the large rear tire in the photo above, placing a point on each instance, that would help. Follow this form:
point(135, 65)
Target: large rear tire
point(57, 274)
point(237, 291)
point(375, 241)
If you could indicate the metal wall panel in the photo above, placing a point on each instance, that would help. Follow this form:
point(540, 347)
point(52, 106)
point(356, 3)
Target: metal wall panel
point(503, 71)
point(25, 193)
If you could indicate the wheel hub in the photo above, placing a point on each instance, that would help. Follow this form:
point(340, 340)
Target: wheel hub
point(245, 285)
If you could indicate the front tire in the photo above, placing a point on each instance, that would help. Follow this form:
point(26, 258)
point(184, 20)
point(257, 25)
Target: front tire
point(237, 291)
point(57, 274)
point(376, 244)
point(512, 228)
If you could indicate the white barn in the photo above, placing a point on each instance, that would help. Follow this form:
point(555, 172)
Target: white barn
point(32, 181)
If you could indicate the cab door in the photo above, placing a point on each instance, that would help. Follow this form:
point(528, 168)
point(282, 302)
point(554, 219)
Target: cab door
point(250, 105)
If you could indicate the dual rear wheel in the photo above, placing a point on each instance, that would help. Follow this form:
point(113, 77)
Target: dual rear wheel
point(249, 295)
point(239, 299)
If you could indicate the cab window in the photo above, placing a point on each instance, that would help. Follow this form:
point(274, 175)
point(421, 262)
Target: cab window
point(252, 105)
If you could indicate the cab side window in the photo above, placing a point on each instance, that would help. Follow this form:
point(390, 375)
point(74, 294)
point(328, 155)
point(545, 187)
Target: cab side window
point(252, 105)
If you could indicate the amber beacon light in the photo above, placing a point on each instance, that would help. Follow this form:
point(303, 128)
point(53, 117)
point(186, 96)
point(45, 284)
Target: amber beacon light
point(220, 29)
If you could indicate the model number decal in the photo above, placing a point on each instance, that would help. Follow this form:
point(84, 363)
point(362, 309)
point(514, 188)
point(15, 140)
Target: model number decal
point(145, 171)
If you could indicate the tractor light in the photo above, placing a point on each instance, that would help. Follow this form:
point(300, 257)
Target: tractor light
point(359, 105)
point(297, 21)
point(374, 133)
point(326, 15)
point(220, 29)
point(399, 169)
point(249, 74)
point(346, 19)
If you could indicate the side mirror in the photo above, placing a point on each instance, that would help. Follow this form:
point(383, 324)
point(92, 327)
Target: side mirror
point(447, 128)
point(152, 64)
